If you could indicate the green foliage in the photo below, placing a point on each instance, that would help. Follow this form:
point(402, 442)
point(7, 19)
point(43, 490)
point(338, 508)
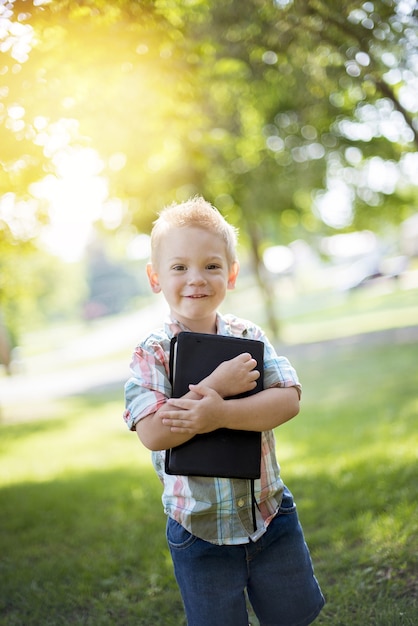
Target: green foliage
point(259, 106)
point(190, 93)
point(37, 289)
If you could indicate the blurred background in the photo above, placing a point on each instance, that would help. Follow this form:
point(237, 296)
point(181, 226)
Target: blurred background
point(298, 120)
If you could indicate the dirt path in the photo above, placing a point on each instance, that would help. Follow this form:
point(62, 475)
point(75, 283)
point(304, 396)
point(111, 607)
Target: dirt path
point(406, 334)
point(67, 372)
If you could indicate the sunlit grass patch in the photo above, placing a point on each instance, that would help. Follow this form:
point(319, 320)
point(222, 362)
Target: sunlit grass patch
point(87, 434)
point(350, 458)
point(328, 314)
point(83, 529)
point(82, 524)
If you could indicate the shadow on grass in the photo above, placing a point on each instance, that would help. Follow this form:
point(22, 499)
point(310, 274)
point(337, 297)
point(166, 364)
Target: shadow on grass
point(83, 543)
point(88, 550)
point(362, 530)
point(91, 549)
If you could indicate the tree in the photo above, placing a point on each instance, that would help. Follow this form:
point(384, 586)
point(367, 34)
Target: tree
point(268, 109)
point(302, 96)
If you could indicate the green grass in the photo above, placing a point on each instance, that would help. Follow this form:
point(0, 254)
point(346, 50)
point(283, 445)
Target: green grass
point(351, 460)
point(319, 315)
point(82, 527)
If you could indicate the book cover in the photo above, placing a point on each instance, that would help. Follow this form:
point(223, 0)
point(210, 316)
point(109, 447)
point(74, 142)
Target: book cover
point(225, 453)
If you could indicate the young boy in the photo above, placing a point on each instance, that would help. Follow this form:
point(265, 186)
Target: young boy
point(216, 552)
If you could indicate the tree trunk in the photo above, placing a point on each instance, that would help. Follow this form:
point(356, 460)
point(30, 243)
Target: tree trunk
point(263, 280)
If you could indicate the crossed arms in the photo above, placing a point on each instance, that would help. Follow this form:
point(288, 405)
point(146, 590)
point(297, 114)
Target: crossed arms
point(204, 407)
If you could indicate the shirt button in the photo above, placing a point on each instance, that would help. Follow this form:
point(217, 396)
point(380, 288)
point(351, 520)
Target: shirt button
point(241, 502)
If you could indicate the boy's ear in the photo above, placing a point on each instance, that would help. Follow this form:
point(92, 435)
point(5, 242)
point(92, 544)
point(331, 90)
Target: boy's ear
point(233, 275)
point(153, 278)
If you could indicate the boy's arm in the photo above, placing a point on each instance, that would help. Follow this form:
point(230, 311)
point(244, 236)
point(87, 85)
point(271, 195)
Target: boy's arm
point(261, 411)
point(155, 435)
point(229, 379)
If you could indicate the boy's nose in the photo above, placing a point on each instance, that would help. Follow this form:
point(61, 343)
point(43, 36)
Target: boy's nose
point(196, 278)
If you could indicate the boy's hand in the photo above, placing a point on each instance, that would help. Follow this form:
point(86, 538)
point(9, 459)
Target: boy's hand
point(194, 416)
point(234, 377)
point(202, 409)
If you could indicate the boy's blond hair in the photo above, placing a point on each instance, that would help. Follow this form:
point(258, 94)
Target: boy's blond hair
point(195, 212)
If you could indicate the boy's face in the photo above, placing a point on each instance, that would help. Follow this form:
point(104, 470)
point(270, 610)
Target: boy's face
point(192, 272)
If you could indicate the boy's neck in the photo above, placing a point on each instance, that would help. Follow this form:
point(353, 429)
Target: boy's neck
point(200, 326)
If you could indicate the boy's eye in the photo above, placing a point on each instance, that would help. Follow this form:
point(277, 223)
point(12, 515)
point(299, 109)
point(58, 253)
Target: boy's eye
point(213, 266)
point(179, 268)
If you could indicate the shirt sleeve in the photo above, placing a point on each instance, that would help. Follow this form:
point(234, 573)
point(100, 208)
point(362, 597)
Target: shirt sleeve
point(278, 372)
point(148, 387)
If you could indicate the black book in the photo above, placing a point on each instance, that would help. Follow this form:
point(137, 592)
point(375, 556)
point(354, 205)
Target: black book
point(224, 452)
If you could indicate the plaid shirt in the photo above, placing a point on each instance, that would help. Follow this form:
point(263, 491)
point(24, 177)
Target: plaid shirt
point(218, 510)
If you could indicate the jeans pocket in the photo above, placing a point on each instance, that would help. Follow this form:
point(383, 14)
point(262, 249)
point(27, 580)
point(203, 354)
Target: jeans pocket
point(287, 504)
point(177, 536)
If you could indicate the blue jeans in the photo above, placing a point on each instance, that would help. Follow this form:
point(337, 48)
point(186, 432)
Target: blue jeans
point(276, 571)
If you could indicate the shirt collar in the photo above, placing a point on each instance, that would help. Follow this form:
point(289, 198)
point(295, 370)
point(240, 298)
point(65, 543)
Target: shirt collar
point(225, 325)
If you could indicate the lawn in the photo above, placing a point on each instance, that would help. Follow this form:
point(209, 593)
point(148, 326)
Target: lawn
point(351, 460)
point(82, 527)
